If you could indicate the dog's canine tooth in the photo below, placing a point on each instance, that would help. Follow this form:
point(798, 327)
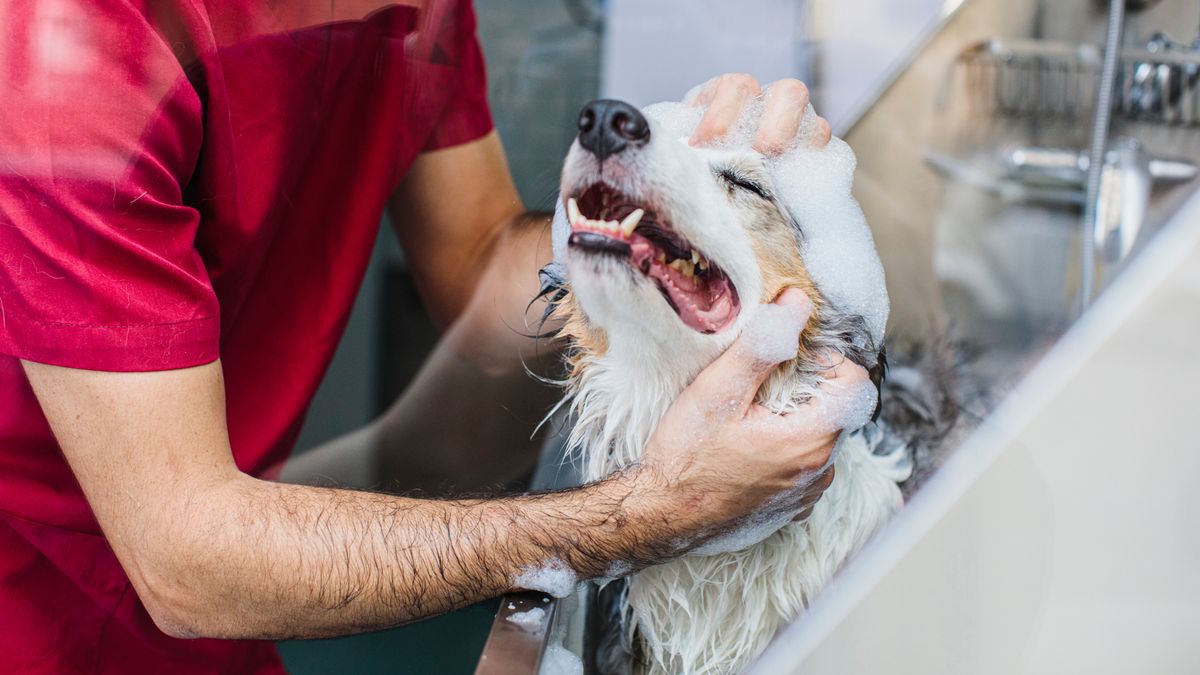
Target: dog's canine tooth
point(573, 211)
point(695, 257)
point(631, 221)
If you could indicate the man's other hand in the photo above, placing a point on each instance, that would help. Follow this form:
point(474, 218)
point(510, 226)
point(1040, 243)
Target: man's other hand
point(785, 101)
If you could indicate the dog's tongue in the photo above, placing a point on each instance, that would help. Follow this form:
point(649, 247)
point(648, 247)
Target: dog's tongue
point(705, 304)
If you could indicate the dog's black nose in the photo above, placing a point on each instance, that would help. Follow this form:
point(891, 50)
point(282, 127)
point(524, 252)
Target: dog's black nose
point(607, 127)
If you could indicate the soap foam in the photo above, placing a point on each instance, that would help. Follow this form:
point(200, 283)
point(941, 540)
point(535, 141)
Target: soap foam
point(773, 334)
point(848, 406)
point(558, 660)
point(617, 570)
point(554, 577)
point(838, 249)
point(679, 119)
point(530, 619)
point(759, 525)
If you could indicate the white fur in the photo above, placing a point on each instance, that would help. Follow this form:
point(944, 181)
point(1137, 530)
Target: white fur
point(705, 613)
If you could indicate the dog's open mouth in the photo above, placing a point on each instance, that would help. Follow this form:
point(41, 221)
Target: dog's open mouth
point(606, 222)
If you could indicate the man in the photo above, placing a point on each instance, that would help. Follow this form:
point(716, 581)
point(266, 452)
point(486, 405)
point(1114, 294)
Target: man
point(189, 193)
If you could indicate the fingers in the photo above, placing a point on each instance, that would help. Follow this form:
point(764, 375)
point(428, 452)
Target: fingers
point(702, 94)
point(725, 97)
point(785, 104)
point(835, 367)
point(821, 134)
point(786, 101)
point(770, 338)
point(842, 370)
point(845, 400)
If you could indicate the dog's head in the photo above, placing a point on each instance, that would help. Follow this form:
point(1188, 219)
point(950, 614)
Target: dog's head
point(670, 248)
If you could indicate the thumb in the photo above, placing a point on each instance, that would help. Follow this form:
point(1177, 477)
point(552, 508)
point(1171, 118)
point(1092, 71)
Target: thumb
point(771, 337)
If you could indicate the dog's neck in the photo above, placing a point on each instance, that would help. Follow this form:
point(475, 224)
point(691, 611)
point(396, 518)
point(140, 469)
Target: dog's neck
point(619, 394)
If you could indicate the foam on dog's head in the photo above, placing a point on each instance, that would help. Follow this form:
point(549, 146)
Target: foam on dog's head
point(814, 187)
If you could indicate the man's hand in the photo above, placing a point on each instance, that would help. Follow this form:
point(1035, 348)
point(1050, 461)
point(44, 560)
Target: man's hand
point(722, 455)
point(785, 102)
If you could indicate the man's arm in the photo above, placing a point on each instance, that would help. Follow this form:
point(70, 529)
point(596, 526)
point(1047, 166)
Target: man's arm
point(213, 552)
point(457, 213)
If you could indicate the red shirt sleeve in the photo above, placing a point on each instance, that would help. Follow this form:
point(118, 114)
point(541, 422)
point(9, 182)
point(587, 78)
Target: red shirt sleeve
point(99, 131)
point(466, 116)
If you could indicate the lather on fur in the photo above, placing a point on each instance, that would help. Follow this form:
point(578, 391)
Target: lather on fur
point(666, 253)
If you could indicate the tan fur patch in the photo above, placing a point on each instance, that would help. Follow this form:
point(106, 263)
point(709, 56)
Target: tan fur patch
point(589, 341)
point(775, 247)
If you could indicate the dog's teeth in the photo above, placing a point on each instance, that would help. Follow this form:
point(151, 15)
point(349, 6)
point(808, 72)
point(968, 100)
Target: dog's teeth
point(631, 221)
point(573, 211)
point(612, 225)
point(662, 257)
point(695, 257)
point(684, 267)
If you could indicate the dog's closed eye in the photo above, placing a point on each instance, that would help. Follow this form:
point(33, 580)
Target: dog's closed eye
point(742, 182)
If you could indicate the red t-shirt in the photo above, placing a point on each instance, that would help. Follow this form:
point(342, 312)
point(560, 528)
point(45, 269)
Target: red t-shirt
point(182, 180)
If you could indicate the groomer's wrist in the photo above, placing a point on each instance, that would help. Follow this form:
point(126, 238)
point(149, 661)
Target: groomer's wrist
point(622, 522)
point(628, 521)
point(658, 517)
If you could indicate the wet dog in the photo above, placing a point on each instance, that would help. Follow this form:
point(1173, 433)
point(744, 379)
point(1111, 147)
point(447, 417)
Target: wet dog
point(665, 253)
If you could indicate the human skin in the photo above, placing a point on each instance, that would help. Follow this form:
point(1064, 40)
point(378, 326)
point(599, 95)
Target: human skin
point(214, 552)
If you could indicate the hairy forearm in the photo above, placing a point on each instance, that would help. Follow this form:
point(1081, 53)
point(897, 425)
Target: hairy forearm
point(268, 560)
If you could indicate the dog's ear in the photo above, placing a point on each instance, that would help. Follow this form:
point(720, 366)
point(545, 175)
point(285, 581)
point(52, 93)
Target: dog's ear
point(877, 374)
